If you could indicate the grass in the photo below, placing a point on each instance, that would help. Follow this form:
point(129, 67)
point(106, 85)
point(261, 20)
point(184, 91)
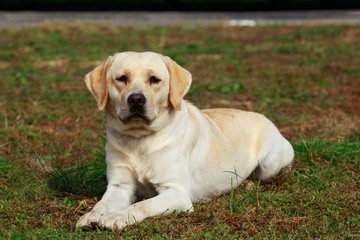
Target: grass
point(84, 178)
point(303, 77)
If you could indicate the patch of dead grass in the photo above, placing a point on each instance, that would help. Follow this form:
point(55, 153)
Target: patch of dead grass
point(332, 123)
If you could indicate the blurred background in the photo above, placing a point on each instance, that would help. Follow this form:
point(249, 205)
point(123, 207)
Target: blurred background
point(181, 5)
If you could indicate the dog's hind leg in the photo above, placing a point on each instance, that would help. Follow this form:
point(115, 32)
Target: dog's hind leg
point(277, 158)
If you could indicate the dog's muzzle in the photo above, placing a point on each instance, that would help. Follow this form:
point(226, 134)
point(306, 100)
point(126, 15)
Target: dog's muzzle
point(136, 103)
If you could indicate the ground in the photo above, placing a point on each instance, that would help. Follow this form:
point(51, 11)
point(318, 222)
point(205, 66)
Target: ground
point(305, 78)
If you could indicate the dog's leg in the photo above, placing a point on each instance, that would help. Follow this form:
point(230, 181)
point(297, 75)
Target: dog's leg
point(166, 202)
point(278, 157)
point(119, 195)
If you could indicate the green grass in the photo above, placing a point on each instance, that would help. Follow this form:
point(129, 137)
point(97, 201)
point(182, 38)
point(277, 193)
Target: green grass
point(83, 179)
point(304, 78)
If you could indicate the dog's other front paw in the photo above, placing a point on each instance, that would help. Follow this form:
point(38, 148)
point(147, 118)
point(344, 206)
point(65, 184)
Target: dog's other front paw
point(89, 219)
point(113, 221)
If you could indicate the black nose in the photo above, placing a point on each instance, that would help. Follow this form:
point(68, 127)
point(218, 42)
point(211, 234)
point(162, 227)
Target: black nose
point(136, 100)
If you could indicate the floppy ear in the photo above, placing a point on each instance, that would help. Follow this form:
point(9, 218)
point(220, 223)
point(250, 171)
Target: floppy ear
point(98, 83)
point(180, 81)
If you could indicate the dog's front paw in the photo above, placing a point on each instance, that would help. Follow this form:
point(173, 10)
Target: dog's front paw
point(89, 219)
point(113, 221)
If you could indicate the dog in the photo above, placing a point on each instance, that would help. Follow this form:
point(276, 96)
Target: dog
point(163, 153)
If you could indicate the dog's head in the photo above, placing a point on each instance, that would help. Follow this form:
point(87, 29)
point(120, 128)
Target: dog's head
point(138, 88)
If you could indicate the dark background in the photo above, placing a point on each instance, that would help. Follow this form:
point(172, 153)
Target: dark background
point(178, 5)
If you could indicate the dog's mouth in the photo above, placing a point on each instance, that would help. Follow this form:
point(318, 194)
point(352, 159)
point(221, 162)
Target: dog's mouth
point(135, 117)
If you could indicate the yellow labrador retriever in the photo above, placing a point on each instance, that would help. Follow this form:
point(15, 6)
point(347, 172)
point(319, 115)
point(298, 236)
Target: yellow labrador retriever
point(162, 153)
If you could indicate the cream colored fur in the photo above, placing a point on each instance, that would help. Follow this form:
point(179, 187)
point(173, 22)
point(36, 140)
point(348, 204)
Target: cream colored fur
point(177, 154)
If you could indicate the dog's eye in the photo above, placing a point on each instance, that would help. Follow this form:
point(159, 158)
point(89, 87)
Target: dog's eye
point(153, 79)
point(122, 78)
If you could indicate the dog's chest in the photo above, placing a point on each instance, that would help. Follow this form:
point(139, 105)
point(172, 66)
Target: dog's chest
point(143, 174)
point(147, 161)
point(141, 166)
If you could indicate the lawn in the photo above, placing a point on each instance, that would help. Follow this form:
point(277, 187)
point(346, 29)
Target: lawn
point(305, 78)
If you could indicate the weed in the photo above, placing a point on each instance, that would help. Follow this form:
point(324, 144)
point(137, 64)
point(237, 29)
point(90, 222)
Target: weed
point(6, 168)
point(85, 179)
point(288, 50)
